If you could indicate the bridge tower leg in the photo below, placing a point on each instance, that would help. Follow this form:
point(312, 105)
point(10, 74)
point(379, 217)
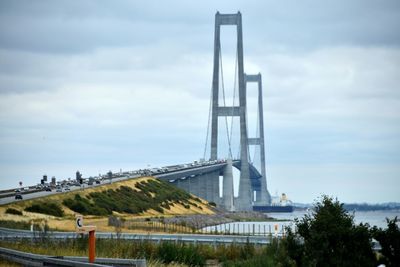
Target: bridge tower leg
point(227, 188)
point(216, 198)
point(263, 196)
point(244, 200)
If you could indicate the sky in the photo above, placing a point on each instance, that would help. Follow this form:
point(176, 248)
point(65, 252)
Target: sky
point(109, 85)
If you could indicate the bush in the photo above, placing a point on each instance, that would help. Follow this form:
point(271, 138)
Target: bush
point(84, 206)
point(330, 238)
point(390, 242)
point(50, 208)
point(13, 211)
point(169, 252)
point(153, 194)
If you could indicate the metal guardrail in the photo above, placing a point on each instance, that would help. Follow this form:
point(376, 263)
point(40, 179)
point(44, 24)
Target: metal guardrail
point(29, 259)
point(10, 234)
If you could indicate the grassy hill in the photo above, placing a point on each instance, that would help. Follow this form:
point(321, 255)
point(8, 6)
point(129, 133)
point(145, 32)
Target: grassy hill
point(143, 197)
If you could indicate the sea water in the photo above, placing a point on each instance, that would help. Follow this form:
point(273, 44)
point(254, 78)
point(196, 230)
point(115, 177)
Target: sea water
point(373, 218)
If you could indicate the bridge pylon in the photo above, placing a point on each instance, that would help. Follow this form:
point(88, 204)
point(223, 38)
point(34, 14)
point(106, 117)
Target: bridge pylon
point(244, 200)
point(263, 197)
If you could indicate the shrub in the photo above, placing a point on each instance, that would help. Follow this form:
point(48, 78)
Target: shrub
point(390, 242)
point(169, 252)
point(50, 208)
point(153, 194)
point(330, 238)
point(212, 204)
point(84, 206)
point(13, 211)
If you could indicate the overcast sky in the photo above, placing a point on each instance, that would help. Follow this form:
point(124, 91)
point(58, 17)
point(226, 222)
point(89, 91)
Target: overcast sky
point(103, 85)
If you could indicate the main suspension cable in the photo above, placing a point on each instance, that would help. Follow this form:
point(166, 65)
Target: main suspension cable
point(208, 123)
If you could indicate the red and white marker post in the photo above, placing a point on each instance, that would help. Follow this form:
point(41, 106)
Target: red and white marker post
point(91, 229)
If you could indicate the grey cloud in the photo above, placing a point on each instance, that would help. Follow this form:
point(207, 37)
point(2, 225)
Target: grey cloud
point(106, 83)
point(68, 27)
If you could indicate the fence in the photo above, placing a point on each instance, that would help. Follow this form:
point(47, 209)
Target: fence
point(247, 229)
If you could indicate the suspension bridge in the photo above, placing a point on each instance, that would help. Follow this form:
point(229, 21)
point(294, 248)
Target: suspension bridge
point(204, 180)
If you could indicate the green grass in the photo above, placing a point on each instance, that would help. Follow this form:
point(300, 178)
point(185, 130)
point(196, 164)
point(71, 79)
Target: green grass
point(151, 194)
point(13, 211)
point(49, 208)
point(15, 224)
point(164, 252)
point(5, 263)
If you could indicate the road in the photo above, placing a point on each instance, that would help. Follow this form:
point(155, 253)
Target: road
point(7, 200)
point(175, 172)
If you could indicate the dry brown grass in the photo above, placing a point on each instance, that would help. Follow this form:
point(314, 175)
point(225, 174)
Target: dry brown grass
point(67, 223)
point(5, 263)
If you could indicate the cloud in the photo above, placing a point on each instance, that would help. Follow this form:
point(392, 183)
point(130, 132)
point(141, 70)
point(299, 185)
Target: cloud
point(101, 86)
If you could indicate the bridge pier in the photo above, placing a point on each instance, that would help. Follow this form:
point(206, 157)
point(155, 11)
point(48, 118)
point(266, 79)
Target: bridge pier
point(194, 186)
point(205, 186)
point(184, 184)
point(227, 188)
point(216, 198)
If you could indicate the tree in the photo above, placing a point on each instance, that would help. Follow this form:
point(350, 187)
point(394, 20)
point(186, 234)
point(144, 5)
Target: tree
point(390, 242)
point(329, 237)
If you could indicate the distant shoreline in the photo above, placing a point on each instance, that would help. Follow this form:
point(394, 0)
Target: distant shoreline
point(357, 207)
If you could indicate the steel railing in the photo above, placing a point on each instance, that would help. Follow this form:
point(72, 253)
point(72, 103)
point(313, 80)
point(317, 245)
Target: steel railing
point(30, 259)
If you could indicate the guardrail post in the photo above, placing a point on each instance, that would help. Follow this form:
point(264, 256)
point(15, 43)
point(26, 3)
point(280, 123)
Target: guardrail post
point(80, 228)
point(92, 246)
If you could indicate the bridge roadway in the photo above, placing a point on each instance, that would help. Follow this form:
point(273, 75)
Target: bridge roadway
point(166, 174)
point(170, 174)
point(12, 234)
point(189, 171)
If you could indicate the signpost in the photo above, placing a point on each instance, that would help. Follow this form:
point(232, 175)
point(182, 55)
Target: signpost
point(82, 229)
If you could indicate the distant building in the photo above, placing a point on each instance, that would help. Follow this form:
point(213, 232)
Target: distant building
point(78, 176)
point(45, 178)
point(53, 180)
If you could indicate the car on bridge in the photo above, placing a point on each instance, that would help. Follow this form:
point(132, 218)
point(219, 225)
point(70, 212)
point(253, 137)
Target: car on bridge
point(18, 196)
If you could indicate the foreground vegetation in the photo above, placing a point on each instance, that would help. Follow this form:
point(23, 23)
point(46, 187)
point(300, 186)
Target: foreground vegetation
point(165, 252)
point(327, 237)
point(5, 263)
